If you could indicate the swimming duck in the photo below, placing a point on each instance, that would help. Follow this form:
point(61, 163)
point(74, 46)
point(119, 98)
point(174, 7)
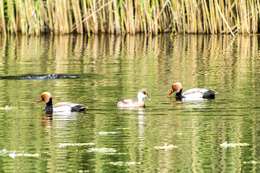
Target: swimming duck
point(134, 103)
point(60, 108)
point(191, 94)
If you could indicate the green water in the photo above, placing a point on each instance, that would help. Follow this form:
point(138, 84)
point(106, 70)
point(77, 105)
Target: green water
point(108, 139)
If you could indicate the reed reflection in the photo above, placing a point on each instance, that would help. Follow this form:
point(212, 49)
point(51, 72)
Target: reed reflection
point(117, 67)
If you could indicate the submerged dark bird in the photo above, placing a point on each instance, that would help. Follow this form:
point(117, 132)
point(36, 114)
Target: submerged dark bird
point(40, 76)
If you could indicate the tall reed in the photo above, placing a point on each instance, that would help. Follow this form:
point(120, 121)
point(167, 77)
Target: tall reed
point(129, 16)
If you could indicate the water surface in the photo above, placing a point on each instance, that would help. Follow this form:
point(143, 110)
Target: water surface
point(167, 136)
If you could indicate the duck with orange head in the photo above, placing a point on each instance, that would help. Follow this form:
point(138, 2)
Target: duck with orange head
point(191, 94)
point(59, 108)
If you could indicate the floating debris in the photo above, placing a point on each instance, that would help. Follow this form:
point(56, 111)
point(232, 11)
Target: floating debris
point(14, 154)
point(3, 151)
point(120, 153)
point(233, 145)
point(179, 134)
point(6, 108)
point(166, 147)
point(83, 171)
point(122, 128)
point(106, 133)
point(102, 150)
point(121, 163)
point(252, 162)
point(64, 145)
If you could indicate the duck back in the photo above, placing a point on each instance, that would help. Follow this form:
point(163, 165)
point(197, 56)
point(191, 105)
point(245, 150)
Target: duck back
point(129, 103)
point(210, 94)
point(199, 93)
point(78, 108)
point(69, 107)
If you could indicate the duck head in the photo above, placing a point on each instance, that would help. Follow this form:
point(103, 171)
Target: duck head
point(176, 87)
point(46, 97)
point(142, 95)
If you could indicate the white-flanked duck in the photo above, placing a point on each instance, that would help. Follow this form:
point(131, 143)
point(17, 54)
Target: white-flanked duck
point(60, 108)
point(134, 103)
point(191, 94)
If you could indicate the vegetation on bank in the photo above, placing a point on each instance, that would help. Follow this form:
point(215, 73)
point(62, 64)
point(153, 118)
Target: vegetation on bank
point(129, 16)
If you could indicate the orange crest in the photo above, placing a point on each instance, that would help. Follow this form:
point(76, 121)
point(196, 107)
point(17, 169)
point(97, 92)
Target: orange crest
point(45, 96)
point(176, 87)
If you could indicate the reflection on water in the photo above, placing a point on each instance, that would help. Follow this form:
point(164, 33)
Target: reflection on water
point(166, 136)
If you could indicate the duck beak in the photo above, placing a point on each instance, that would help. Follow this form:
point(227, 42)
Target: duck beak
point(148, 97)
point(170, 92)
point(39, 100)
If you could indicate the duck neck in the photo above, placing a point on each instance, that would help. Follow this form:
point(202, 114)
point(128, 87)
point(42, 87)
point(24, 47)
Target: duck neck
point(49, 107)
point(179, 95)
point(140, 102)
point(140, 99)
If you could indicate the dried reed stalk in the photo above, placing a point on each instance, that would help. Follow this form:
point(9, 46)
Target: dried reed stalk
point(129, 16)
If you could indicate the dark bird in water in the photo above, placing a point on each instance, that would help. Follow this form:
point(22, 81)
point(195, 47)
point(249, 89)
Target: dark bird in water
point(40, 76)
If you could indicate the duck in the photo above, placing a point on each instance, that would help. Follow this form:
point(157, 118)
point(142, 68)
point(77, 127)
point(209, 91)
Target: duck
point(191, 94)
point(139, 102)
point(61, 107)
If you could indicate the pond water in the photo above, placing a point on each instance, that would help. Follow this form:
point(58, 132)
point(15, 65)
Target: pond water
point(167, 136)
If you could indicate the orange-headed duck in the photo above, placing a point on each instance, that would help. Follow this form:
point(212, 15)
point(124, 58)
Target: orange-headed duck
point(60, 108)
point(191, 94)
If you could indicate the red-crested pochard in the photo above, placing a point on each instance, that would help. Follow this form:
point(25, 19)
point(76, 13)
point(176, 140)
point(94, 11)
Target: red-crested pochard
point(191, 94)
point(60, 108)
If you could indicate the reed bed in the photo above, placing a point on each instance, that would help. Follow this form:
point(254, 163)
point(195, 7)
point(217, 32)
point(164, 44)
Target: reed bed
point(129, 16)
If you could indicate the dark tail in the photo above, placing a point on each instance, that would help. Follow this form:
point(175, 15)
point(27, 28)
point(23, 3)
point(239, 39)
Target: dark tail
point(78, 108)
point(210, 94)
